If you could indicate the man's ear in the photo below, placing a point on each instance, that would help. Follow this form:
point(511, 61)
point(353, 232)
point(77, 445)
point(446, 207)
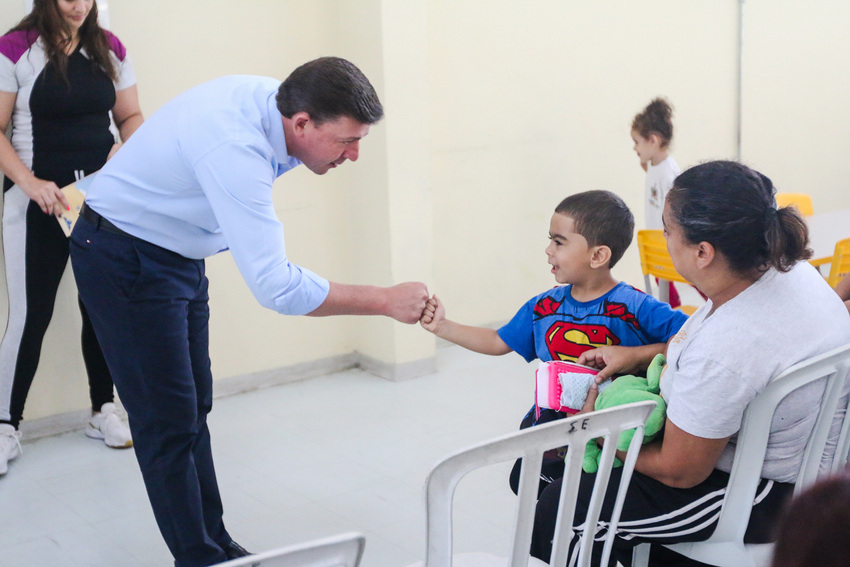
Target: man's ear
point(299, 121)
point(705, 254)
point(600, 256)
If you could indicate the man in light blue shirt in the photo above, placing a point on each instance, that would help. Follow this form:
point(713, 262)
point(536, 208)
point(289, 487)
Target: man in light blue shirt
point(194, 180)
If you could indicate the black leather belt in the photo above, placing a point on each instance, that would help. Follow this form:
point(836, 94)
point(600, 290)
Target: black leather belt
point(100, 222)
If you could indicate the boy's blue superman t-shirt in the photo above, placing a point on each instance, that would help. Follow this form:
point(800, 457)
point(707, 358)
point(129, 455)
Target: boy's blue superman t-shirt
point(554, 326)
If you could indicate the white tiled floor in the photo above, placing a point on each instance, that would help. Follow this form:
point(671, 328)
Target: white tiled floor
point(344, 452)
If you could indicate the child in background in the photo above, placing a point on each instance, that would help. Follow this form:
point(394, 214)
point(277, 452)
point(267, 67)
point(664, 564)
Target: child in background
point(652, 132)
point(588, 233)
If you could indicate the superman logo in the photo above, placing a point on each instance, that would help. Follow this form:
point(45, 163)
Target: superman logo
point(566, 341)
point(546, 306)
point(620, 311)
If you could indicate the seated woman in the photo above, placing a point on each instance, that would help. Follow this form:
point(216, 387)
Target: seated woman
point(766, 311)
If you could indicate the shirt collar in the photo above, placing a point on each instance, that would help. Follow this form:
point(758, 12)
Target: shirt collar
point(274, 132)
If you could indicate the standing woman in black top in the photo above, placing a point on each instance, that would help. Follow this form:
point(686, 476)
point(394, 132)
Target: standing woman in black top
point(61, 75)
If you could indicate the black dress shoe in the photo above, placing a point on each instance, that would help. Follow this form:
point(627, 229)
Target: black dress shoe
point(234, 550)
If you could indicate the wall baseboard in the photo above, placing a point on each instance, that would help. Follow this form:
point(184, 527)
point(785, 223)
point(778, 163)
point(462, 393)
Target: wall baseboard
point(54, 424)
point(77, 419)
point(397, 372)
point(284, 375)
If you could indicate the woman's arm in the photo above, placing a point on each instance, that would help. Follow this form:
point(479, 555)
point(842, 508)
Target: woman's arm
point(45, 193)
point(127, 113)
point(679, 459)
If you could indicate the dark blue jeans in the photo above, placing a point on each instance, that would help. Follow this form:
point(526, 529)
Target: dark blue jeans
point(149, 307)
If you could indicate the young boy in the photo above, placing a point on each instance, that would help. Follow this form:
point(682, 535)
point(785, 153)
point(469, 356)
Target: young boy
point(589, 232)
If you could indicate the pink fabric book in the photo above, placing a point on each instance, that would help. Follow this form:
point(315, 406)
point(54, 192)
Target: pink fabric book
point(563, 386)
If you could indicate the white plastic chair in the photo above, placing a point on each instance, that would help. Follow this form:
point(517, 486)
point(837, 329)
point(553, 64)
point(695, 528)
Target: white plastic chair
point(726, 547)
point(530, 444)
point(344, 550)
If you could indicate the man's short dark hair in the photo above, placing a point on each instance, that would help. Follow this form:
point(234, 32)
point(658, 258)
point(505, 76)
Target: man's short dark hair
point(329, 88)
point(602, 218)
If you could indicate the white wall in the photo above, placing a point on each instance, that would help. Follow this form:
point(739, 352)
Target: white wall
point(796, 114)
point(496, 110)
point(534, 101)
point(175, 45)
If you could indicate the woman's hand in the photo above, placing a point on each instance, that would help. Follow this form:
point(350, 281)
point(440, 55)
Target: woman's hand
point(126, 113)
point(613, 360)
point(46, 195)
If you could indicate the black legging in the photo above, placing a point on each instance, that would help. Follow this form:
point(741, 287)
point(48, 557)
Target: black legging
point(656, 513)
point(45, 261)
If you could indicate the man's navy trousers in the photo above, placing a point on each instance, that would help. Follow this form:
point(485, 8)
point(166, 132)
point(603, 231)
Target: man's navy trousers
point(149, 307)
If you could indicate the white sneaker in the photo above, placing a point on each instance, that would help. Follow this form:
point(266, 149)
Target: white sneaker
point(10, 445)
point(108, 426)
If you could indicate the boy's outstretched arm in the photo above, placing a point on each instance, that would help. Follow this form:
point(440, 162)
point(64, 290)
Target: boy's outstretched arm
point(477, 339)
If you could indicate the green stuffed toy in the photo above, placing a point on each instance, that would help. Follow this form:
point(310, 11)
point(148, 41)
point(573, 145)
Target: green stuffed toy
point(626, 390)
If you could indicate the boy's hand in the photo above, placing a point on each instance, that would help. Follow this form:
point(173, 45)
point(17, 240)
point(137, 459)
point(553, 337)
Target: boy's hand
point(433, 315)
point(477, 339)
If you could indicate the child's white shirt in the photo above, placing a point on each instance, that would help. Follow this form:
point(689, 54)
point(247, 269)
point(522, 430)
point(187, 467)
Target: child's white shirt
point(659, 180)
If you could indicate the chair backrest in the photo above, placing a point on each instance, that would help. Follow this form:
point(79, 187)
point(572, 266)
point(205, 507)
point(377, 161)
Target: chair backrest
point(655, 261)
point(802, 201)
point(344, 550)
point(755, 430)
point(840, 262)
point(726, 545)
point(530, 444)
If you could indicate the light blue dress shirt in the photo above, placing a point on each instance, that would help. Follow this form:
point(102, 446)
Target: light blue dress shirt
point(196, 178)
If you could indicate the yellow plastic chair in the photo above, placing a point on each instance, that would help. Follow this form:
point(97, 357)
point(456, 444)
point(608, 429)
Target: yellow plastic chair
point(840, 262)
point(655, 262)
point(802, 201)
point(818, 262)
